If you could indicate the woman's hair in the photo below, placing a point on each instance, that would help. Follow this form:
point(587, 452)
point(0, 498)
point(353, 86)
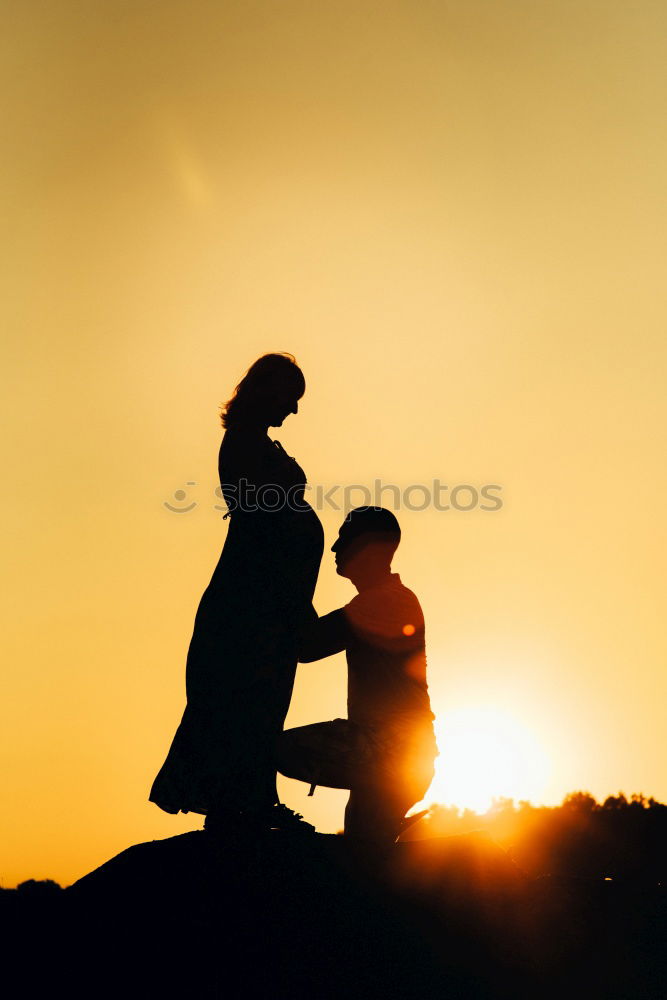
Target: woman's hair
point(269, 373)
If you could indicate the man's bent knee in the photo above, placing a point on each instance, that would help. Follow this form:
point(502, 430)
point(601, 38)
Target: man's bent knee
point(287, 756)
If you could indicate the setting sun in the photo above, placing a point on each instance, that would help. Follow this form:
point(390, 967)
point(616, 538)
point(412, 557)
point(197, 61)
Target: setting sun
point(485, 754)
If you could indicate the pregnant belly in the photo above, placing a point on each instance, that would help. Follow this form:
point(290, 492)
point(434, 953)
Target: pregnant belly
point(309, 527)
point(251, 571)
point(307, 545)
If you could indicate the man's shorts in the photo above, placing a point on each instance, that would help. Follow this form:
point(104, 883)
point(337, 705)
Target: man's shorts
point(342, 754)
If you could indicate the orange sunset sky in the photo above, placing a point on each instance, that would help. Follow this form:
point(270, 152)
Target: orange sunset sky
point(453, 213)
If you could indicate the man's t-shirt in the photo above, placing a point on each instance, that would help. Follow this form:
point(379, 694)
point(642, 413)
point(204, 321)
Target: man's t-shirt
point(382, 631)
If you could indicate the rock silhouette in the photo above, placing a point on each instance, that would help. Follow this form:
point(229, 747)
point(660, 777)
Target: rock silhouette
point(292, 917)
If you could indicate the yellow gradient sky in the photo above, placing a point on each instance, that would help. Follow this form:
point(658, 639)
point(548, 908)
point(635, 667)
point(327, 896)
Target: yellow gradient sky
point(453, 213)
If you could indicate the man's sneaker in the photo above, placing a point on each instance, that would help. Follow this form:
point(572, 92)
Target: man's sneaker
point(288, 821)
point(409, 821)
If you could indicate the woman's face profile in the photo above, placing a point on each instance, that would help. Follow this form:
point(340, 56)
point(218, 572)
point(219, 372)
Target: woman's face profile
point(283, 401)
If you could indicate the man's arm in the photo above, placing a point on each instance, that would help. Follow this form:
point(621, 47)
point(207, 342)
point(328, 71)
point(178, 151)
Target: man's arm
point(323, 636)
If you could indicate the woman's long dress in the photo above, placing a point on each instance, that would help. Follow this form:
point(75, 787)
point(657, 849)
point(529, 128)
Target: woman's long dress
point(242, 657)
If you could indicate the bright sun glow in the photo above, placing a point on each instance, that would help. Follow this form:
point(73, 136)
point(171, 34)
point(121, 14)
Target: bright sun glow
point(485, 753)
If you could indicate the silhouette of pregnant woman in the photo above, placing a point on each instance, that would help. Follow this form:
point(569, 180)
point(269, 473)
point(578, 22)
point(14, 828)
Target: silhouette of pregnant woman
point(242, 657)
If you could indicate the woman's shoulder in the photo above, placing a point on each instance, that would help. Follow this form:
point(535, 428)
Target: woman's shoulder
point(243, 432)
point(241, 440)
point(243, 453)
point(251, 454)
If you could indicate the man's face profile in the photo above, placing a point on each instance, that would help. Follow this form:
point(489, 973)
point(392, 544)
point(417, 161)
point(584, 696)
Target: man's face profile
point(361, 552)
point(346, 547)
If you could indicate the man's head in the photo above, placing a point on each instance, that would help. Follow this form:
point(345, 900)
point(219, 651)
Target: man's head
point(367, 540)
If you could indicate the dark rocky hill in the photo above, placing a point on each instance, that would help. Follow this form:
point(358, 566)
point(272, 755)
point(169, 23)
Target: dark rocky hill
point(309, 917)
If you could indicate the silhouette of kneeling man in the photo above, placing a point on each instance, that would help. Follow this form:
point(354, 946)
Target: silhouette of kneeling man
point(384, 751)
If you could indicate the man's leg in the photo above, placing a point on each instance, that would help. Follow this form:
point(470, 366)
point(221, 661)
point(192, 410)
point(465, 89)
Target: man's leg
point(382, 794)
point(320, 754)
point(337, 755)
point(375, 810)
